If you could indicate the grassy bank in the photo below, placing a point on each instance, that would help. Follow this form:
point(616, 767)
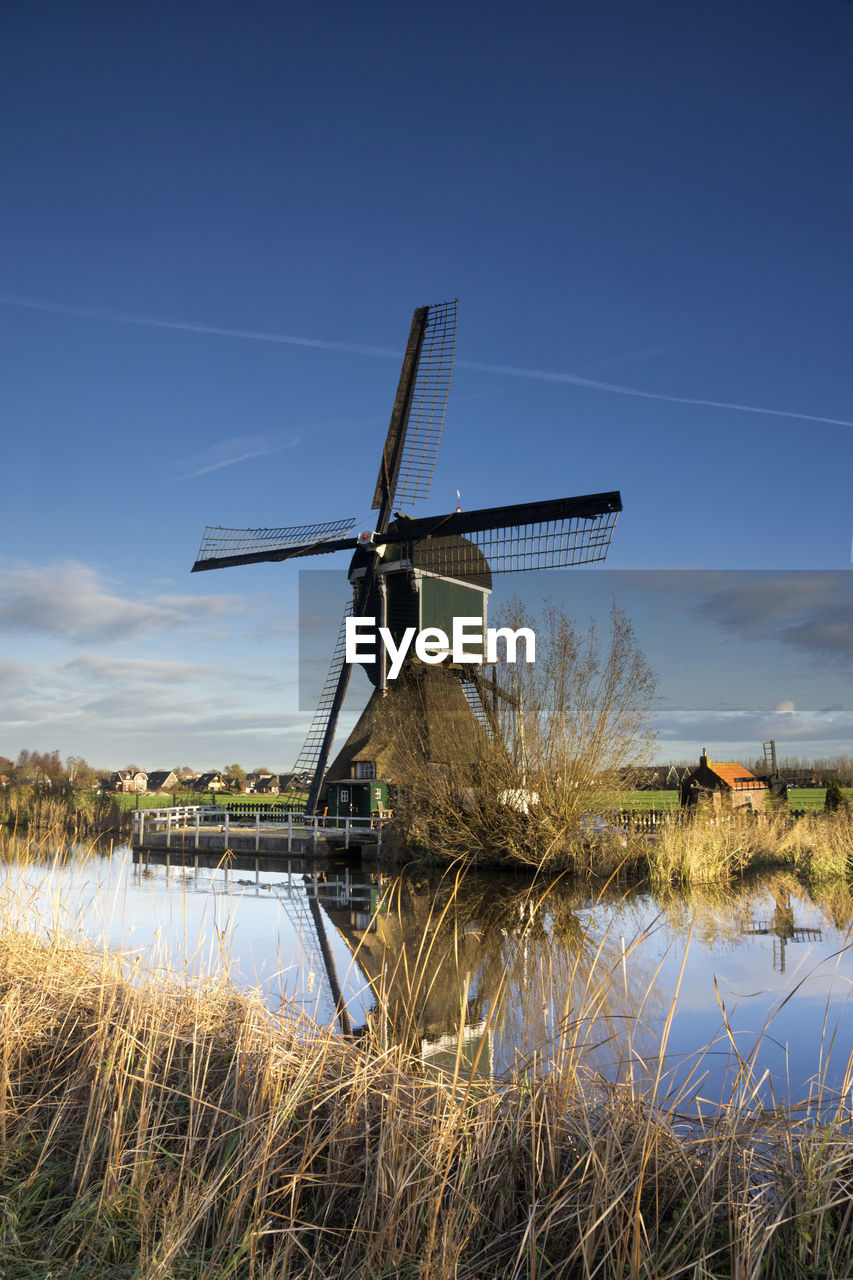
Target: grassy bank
point(160, 1131)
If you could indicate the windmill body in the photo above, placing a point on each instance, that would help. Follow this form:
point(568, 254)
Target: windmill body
point(407, 591)
point(419, 573)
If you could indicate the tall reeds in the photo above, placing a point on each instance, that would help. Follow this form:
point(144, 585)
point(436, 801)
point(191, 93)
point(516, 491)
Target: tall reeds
point(153, 1128)
point(722, 846)
point(60, 813)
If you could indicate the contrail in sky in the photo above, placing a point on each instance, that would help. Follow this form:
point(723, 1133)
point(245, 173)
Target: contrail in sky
point(542, 375)
point(510, 371)
point(153, 322)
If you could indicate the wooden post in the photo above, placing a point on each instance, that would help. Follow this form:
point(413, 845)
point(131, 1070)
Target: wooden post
point(316, 822)
point(141, 825)
point(197, 825)
point(225, 828)
point(289, 832)
point(257, 831)
point(346, 832)
point(168, 828)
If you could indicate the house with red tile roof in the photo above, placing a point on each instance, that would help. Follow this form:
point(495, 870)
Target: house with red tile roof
point(722, 783)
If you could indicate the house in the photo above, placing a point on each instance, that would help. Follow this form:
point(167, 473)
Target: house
point(163, 781)
point(723, 783)
point(254, 781)
point(267, 785)
point(129, 781)
point(209, 782)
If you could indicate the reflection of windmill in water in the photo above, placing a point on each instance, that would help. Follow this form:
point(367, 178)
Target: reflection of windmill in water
point(417, 573)
point(497, 972)
point(782, 927)
point(421, 964)
point(414, 968)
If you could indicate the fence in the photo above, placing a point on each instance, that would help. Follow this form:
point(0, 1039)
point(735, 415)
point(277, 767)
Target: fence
point(651, 819)
point(189, 820)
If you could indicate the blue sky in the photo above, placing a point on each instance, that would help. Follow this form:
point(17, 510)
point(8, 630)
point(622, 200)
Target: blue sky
point(216, 222)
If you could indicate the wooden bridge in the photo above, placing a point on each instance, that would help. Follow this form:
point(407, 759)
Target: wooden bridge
point(213, 828)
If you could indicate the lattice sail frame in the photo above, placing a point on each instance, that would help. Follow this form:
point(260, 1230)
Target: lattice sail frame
point(544, 544)
point(428, 404)
point(309, 755)
point(217, 541)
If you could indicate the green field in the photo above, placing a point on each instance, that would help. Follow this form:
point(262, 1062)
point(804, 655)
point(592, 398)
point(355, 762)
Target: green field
point(808, 798)
point(146, 801)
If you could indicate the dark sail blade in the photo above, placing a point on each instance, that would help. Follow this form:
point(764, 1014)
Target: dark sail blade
point(411, 446)
point(525, 536)
point(221, 548)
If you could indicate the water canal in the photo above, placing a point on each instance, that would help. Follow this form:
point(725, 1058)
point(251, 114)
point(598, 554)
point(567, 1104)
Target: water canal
point(746, 983)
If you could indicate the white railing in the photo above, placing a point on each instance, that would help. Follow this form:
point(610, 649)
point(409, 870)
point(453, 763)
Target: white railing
point(190, 818)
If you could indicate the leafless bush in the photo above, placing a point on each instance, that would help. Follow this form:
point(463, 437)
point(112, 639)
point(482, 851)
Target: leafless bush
point(567, 731)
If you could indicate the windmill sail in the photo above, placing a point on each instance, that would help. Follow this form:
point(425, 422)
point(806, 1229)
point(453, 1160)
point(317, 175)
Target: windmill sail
point(324, 722)
point(532, 535)
point(411, 446)
point(221, 548)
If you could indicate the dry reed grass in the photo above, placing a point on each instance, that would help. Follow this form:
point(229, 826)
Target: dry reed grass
point(160, 1129)
point(61, 814)
point(720, 847)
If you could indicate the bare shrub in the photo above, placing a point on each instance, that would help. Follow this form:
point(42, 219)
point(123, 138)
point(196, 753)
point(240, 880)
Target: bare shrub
point(567, 731)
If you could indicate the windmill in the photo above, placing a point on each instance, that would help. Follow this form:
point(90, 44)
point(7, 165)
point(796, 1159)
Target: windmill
point(418, 572)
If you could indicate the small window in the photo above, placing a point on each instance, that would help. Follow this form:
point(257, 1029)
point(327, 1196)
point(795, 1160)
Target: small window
point(365, 769)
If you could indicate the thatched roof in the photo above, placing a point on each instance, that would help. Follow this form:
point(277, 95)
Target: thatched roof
point(423, 720)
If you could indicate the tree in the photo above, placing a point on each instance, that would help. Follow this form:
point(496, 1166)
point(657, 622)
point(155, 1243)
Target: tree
point(835, 798)
point(568, 729)
point(80, 773)
point(237, 774)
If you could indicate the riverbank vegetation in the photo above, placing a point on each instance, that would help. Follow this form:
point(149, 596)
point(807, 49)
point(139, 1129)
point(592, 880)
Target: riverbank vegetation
point(179, 1130)
point(562, 734)
point(715, 847)
point(61, 811)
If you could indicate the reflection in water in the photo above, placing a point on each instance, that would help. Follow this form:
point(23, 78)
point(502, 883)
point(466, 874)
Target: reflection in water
point(689, 993)
point(782, 926)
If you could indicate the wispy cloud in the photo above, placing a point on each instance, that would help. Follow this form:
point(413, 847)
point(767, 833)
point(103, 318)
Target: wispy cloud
point(356, 348)
point(112, 710)
point(71, 601)
point(811, 613)
point(227, 453)
point(743, 729)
